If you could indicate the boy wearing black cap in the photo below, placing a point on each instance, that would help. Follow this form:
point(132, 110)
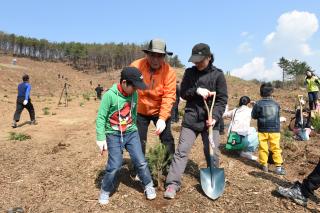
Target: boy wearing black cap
point(267, 113)
point(116, 129)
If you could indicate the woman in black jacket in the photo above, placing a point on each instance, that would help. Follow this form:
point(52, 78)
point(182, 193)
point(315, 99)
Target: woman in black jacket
point(197, 84)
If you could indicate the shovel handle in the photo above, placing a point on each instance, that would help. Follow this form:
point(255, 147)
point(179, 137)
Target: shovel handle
point(209, 111)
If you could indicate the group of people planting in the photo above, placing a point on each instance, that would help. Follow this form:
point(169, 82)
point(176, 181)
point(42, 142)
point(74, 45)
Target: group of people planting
point(147, 92)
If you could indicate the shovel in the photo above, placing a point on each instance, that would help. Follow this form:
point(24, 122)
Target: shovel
point(212, 179)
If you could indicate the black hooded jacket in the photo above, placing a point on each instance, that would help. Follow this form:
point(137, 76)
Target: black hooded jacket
point(212, 79)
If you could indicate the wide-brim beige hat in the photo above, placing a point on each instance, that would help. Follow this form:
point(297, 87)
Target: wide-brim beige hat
point(157, 46)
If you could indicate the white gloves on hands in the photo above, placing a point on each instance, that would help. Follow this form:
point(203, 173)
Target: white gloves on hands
point(25, 102)
point(211, 122)
point(102, 146)
point(204, 92)
point(160, 126)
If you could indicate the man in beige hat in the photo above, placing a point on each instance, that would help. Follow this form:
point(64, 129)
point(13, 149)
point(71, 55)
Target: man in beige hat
point(155, 103)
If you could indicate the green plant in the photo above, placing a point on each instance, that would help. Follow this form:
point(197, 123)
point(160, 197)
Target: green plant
point(315, 121)
point(158, 159)
point(46, 110)
point(81, 104)
point(287, 136)
point(18, 136)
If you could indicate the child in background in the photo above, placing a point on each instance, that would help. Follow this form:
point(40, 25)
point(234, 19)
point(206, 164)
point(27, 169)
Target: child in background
point(240, 123)
point(116, 129)
point(267, 113)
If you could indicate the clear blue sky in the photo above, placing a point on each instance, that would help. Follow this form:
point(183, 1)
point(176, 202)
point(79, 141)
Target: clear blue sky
point(235, 30)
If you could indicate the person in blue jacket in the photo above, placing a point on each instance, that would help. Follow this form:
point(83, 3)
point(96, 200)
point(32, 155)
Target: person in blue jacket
point(24, 101)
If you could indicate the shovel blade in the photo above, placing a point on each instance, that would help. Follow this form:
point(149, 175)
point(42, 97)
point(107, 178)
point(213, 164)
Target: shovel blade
point(212, 182)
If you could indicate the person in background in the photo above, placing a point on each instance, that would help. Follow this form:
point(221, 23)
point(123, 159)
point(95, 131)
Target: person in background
point(240, 123)
point(312, 82)
point(302, 124)
point(24, 101)
point(99, 90)
point(267, 113)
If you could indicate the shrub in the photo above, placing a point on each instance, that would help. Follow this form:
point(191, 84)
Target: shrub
point(158, 159)
point(19, 136)
point(46, 111)
point(315, 121)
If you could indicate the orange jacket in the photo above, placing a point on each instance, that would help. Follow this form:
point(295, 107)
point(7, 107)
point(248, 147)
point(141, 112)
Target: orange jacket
point(161, 93)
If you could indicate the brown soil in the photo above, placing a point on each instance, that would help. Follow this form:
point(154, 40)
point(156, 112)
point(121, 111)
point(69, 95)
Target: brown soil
point(59, 168)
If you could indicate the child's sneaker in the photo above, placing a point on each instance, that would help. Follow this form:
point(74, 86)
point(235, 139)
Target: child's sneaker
point(264, 168)
point(170, 192)
point(248, 155)
point(104, 197)
point(150, 192)
point(33, 122)
point(294, 193)
point(280, 170)
point(14, 124)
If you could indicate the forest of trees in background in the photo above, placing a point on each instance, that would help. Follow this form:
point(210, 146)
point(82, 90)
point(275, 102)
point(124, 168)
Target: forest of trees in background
point(81, 56)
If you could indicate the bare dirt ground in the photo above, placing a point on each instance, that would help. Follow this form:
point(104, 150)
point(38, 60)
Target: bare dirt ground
point(59, 168)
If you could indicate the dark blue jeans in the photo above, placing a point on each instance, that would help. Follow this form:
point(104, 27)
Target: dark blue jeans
point(131, 143)
point(313, 97)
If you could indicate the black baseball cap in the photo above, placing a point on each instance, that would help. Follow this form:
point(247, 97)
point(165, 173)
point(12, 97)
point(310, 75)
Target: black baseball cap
point(134, 75)
point(199, 52)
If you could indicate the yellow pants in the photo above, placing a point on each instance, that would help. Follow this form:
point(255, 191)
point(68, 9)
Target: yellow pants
point(274, 140)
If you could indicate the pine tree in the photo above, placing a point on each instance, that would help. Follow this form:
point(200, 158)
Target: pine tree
point(158, 159)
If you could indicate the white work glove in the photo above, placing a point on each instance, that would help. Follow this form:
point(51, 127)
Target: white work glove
point(203, 92)
point(211, 122)
point(160, 126)
point(25, 102)
point(102, 146)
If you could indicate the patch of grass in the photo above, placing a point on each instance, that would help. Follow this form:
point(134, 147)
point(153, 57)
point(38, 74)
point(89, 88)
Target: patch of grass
point(315, 121)
point(81, 104)
point(287, 136)
point(53, 113)
point(18, 136)
point(69, 99)
point(46, 111)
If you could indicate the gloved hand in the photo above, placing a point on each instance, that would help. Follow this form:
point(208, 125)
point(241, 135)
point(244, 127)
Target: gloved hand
point(160, 126)
point(203, 92)
point(25, 102)
point(102, 146)
point(211, 122)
